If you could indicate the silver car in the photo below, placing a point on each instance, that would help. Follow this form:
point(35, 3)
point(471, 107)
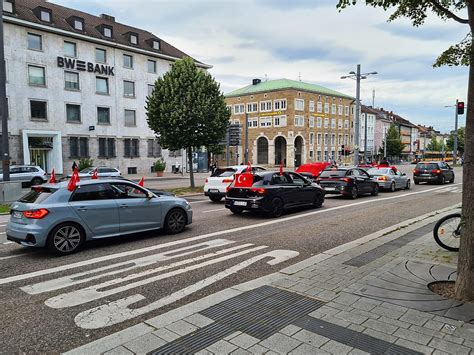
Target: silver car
point(27, 174)
point(388, 179)
point(51, 216)
point(102, 171)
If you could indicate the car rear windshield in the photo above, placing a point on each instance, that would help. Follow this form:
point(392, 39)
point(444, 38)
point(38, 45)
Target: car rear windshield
point(224, 172)
point(37, 195)
point(377, 171)
point(333, 173)
point(426, 166)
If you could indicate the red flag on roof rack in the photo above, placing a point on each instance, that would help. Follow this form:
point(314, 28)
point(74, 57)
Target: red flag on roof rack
point(94, 174)
point(243, 180)
point(52, 179)
point(142, 182)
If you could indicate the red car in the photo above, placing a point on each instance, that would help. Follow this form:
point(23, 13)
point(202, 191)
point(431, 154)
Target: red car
point(313, 169)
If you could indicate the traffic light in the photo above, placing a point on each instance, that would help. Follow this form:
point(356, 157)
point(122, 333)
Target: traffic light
point(460, 108)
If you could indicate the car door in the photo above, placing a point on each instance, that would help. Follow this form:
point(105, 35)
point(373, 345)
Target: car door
point(394, 177)
point(365, 181)
point(447, 172)
point(284, 189)
point(15, 174)
point(96, 206)
point(137, 212)
point(302, 190)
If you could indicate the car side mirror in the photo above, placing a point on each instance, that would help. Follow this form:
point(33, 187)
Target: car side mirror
point(149, 195)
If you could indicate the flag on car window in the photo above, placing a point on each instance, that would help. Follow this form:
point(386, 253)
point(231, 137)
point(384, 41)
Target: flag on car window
point(94, 174)
point(52, 179)
point(71, 186)
point(142, 182)
point(243, 180)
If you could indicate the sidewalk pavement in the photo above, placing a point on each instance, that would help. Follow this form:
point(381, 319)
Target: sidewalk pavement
point(366, 296)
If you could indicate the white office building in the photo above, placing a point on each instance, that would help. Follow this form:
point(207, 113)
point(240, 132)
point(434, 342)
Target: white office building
point(77, 86)
point(367, 116)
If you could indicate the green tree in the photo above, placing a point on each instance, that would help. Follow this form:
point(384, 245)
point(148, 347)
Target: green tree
point(394, 143)
point(450, 141)
point(187, 109)
point(434, 145)
point(458, 54)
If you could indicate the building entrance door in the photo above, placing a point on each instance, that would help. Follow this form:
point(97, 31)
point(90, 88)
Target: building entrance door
point(39, 157)
point(298, 151)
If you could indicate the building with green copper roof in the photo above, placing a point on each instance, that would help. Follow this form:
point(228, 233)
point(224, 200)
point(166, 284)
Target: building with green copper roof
point(285, 84)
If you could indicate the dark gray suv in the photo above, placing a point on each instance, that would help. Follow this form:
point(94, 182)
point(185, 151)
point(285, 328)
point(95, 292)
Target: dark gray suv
point(434, 171)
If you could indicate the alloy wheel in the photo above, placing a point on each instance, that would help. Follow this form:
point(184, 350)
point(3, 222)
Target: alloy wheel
point(67, 239)
point(176, 221)
point(392, 187)
point(354, 192)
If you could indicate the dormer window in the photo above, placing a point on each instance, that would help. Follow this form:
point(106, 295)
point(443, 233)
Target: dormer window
point(156, 45)
point(133, 38)
point(45, 15)
point(8, 6)
point(79, 25)
point(107, 31)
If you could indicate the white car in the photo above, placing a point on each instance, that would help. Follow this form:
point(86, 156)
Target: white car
point(215, 186)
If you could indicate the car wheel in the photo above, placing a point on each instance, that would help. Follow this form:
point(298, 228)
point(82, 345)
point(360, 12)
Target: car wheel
point(408, 185)
point(36, 181)
point(318, 200)
point(375, 191)
point(277, 207)
point(236, 210)
point(215, 198)
point(392, 187)
point(452, 180)
point(175, 221)
point(442, 181)
point(65, 239)
point(354, 192)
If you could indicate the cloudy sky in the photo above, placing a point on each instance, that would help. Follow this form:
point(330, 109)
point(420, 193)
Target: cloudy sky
point(248, 39)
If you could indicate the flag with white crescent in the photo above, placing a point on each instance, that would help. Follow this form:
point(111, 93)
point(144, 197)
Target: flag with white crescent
point(243, 180)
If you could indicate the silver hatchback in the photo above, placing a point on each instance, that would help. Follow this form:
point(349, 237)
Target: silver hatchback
point(26, 174)
point(389, 179)
point(52, 216)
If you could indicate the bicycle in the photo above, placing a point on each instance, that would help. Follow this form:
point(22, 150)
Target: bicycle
point(447, 231)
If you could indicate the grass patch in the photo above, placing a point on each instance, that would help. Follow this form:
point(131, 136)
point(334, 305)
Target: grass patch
point(179, 191)
point(4, 208)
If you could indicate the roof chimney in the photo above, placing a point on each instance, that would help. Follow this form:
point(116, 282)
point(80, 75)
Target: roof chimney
point(256, 81)
point(107, 17)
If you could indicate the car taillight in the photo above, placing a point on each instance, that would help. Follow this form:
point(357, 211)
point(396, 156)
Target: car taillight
point(259, 190)
point(416, 171)
point(346, 179)
point(227, 180)
point(436, 171)
point(382, 178)
point(36, 214)
point(206, 180)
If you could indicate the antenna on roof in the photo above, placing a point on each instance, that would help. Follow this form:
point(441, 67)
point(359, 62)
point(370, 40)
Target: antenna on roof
point(299, 76)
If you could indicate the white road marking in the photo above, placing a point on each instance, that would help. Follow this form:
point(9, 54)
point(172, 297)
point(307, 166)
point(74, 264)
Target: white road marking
point(200, 201)
point(117, 268)
point(204, 236)
point(95, 292)
point(118, 311)
point(218, 209)
point(3, 232)
point(8, 243)
point(3, 225)
point(15, 256)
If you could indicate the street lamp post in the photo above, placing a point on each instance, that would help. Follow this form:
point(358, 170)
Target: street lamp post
point(358, 77)
point(4, 109)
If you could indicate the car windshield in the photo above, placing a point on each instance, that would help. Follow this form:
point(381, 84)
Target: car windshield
point(86, 170)
point(377, 171)
point(37, 195)
point(427, 166)
point(224, 172)
point(333, 173)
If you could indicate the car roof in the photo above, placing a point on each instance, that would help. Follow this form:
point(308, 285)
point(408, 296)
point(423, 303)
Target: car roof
point(25, 166)
point(64, 184)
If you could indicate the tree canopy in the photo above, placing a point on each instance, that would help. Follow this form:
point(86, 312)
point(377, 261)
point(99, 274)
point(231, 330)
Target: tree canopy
point(394, 143)
point(435, 145)
point(450, 140)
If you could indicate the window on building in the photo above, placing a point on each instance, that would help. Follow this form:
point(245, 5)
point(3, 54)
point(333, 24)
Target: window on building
point(333, 123)
point(35, 42)
point(128, 61)
point(151, 64)
point(319, 107)
point(36, 75)
point(128, 88)
point(38, 110)
point(311, 122)
point(318, 139)
point(311, 106)
point(318, 155)
point(311, 154)
point(311, 138)
point(265, 106)
point(156, 45)
point(70, 49)
point(340, 110)
point(326, 156)
point(78, 25)
point(326, 107)
point(333, 109)
point(265, 122)
point(78, 147)
point(339, 139)
point(106, 148)
point(8, 6)
point(346, 139)
point(279, 121)
point(346, 110)
point(130, 118)
point(346, 124)
point(325, 138)
point(131, 147)
point(252, 107)
point(339, 123)
point(73, 113)
point(103, 115)
point(100, 55)
point(154, 148)
point(299, 104)
point(299, 121)
point(279, 104)
point(45, 15)
point(134, 39)
point(239, 109)
point(150, 89)
point(71, 80)
point(333, 139)
point(107, 31)
point(319, 122)
point(326, 123)
point(101, 85)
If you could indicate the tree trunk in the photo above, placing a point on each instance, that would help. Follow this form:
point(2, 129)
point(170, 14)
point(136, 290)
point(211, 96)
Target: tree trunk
point(465, 279)
point(190, 162)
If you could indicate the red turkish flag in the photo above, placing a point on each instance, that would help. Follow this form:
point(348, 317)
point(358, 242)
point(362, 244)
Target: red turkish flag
point(281, 168)
point(249, 167)
point(52, 179)
point(94, 174)
point(142, 182)
point(243, 180)
point(71, 186)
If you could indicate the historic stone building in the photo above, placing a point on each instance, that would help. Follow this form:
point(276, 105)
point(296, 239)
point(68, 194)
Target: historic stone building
point(292, 122)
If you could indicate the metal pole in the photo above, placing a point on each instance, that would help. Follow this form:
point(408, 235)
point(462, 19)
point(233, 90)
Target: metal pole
point(365, 139)
point(455, 145)
point(227, 150)
point(246, 154)
point(357, 118)
point(4, 109)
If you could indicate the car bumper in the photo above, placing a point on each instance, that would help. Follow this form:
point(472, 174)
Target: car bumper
point(427, 178)
point(214, 193)
point(29, 235)
point(257, 204)
point(189, 214)
point(384, 184)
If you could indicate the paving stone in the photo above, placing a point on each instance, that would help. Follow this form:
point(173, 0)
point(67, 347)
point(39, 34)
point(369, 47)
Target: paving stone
point(313, 291)
point(290, 330)
point(222, 347)
point(411, 335)
point(346, 298)
point(395, 322)
point(300, 287)
point(336, 348)
point(449, 347)
point(258, 349)
point(233, 335)
point(380, 335)
point(351, 317)
point(446, 320)
point(198, 320)
point(439, 352)
point(204, 352)
point(181, 327)
point(387, 312)
point(166, 334)
point(244, 341)
point(364, 305)
point(280, 343)
point(240, 352)
point(323, 311)
point(365, 313)
point(380, 326)
point(327, 295)
point(356, 327)
point(395, 307)
point(119, 351)
point(145, 343)
point(427, 331)
point(433, 324)
point(415, 317)
point(464, 333)
point(453, 339)
point(338, 321)
point(305, 349)
point(414, 346)
point(358, 352)
point(310, 338)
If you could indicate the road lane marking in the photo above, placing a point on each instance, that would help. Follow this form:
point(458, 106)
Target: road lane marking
point(218, 209)
point(15, 256)
point(201, 201)
point(118, 311)
point(8, 243)
point(95, 292)
point(207, 235)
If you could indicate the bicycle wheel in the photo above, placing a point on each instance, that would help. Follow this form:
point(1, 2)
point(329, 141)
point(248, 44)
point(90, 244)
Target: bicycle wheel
point(447, 232)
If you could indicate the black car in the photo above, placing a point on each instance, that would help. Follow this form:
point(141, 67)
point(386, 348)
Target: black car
point(347, 181)
point(272, 193)
point(436, 171)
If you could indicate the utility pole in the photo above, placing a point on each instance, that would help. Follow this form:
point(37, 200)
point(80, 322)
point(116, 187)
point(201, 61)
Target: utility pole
point(246, 152)
point(385, 144)
point(455, 145)
point(4, 109)
point(365, 138)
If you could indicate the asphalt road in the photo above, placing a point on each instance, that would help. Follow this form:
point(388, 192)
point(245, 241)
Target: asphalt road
point(53, 304)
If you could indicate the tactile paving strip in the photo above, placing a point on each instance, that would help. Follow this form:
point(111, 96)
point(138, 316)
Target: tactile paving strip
point(378, 252)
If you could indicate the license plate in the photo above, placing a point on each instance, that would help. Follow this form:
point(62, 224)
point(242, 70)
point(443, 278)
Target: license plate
point(213, 190)
point(16, 214)
point(424, 174)
point(240, 203)
point(330, 188)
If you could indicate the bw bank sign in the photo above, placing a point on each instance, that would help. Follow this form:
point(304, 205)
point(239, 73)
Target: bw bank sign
point(82, 65)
